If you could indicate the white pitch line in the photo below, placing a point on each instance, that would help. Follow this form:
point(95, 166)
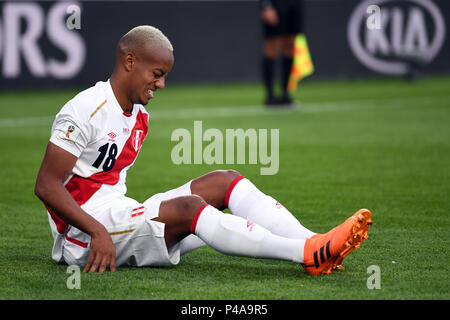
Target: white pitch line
point(24, 122)
point(233, 111)
point(312, 107)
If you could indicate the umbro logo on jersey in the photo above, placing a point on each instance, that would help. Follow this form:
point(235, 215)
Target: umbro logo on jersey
point(112, 136)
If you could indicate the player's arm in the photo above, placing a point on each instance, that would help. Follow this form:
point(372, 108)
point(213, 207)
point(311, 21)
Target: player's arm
point(55, 169)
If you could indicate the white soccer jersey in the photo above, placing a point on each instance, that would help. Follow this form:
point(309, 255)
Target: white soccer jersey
point(93, 127)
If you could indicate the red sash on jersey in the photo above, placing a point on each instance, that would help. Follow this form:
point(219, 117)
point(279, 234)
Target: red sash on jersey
point(82, 189)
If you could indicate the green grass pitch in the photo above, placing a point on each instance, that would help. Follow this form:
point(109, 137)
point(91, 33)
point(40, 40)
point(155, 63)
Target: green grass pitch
point(379, 144)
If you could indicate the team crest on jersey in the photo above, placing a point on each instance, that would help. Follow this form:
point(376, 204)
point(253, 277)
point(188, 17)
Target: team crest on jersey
point(137, 139)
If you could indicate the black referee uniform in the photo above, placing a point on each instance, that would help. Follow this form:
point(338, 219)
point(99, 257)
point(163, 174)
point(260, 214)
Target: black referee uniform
point(289, 15)
point(290, 23)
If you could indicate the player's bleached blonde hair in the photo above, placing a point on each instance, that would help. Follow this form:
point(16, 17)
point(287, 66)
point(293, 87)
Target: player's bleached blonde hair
point(143, 36)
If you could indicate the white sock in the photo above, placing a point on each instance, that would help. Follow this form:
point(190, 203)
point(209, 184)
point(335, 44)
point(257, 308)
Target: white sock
point(191, 242)
point(234, 235)
point(244, 199)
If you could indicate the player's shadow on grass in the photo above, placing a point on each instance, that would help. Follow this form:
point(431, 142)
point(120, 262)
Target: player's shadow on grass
point(213, 265)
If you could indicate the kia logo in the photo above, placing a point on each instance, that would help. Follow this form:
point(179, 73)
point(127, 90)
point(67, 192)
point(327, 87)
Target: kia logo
point(408, 29)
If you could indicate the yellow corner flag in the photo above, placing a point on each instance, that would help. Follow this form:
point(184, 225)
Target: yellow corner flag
point(302, 65)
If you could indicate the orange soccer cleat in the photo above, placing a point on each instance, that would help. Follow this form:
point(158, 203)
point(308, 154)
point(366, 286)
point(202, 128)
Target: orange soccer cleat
point(324, 253)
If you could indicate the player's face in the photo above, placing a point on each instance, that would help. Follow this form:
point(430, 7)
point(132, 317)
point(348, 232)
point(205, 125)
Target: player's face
point(150, 73)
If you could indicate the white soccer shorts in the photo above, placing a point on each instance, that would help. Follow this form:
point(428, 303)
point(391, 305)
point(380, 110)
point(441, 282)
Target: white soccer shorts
point(138, 239)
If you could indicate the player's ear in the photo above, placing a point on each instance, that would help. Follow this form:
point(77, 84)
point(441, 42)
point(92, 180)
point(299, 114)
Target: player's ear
point(130, 61)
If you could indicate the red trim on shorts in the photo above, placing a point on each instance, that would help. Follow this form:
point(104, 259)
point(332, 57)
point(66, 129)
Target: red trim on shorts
point(230, 189)
point(197, 215)
point(77, 242)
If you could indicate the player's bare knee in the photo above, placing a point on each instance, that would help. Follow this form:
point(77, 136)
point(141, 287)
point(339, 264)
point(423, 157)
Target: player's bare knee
point(233, 174)
point(227, 175)
point(188, 206)
point(213, 186)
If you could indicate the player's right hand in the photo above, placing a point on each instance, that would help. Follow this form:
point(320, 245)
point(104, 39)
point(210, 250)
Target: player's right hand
point(102, 253)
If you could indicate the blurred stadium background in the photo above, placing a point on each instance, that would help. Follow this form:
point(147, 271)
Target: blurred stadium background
point(216, 41)
point(372, 131)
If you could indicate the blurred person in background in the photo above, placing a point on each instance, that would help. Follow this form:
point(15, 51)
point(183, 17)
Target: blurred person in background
point(282, 21)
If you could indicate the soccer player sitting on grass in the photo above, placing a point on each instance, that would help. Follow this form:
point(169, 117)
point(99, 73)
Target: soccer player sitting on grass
point(96, 138)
